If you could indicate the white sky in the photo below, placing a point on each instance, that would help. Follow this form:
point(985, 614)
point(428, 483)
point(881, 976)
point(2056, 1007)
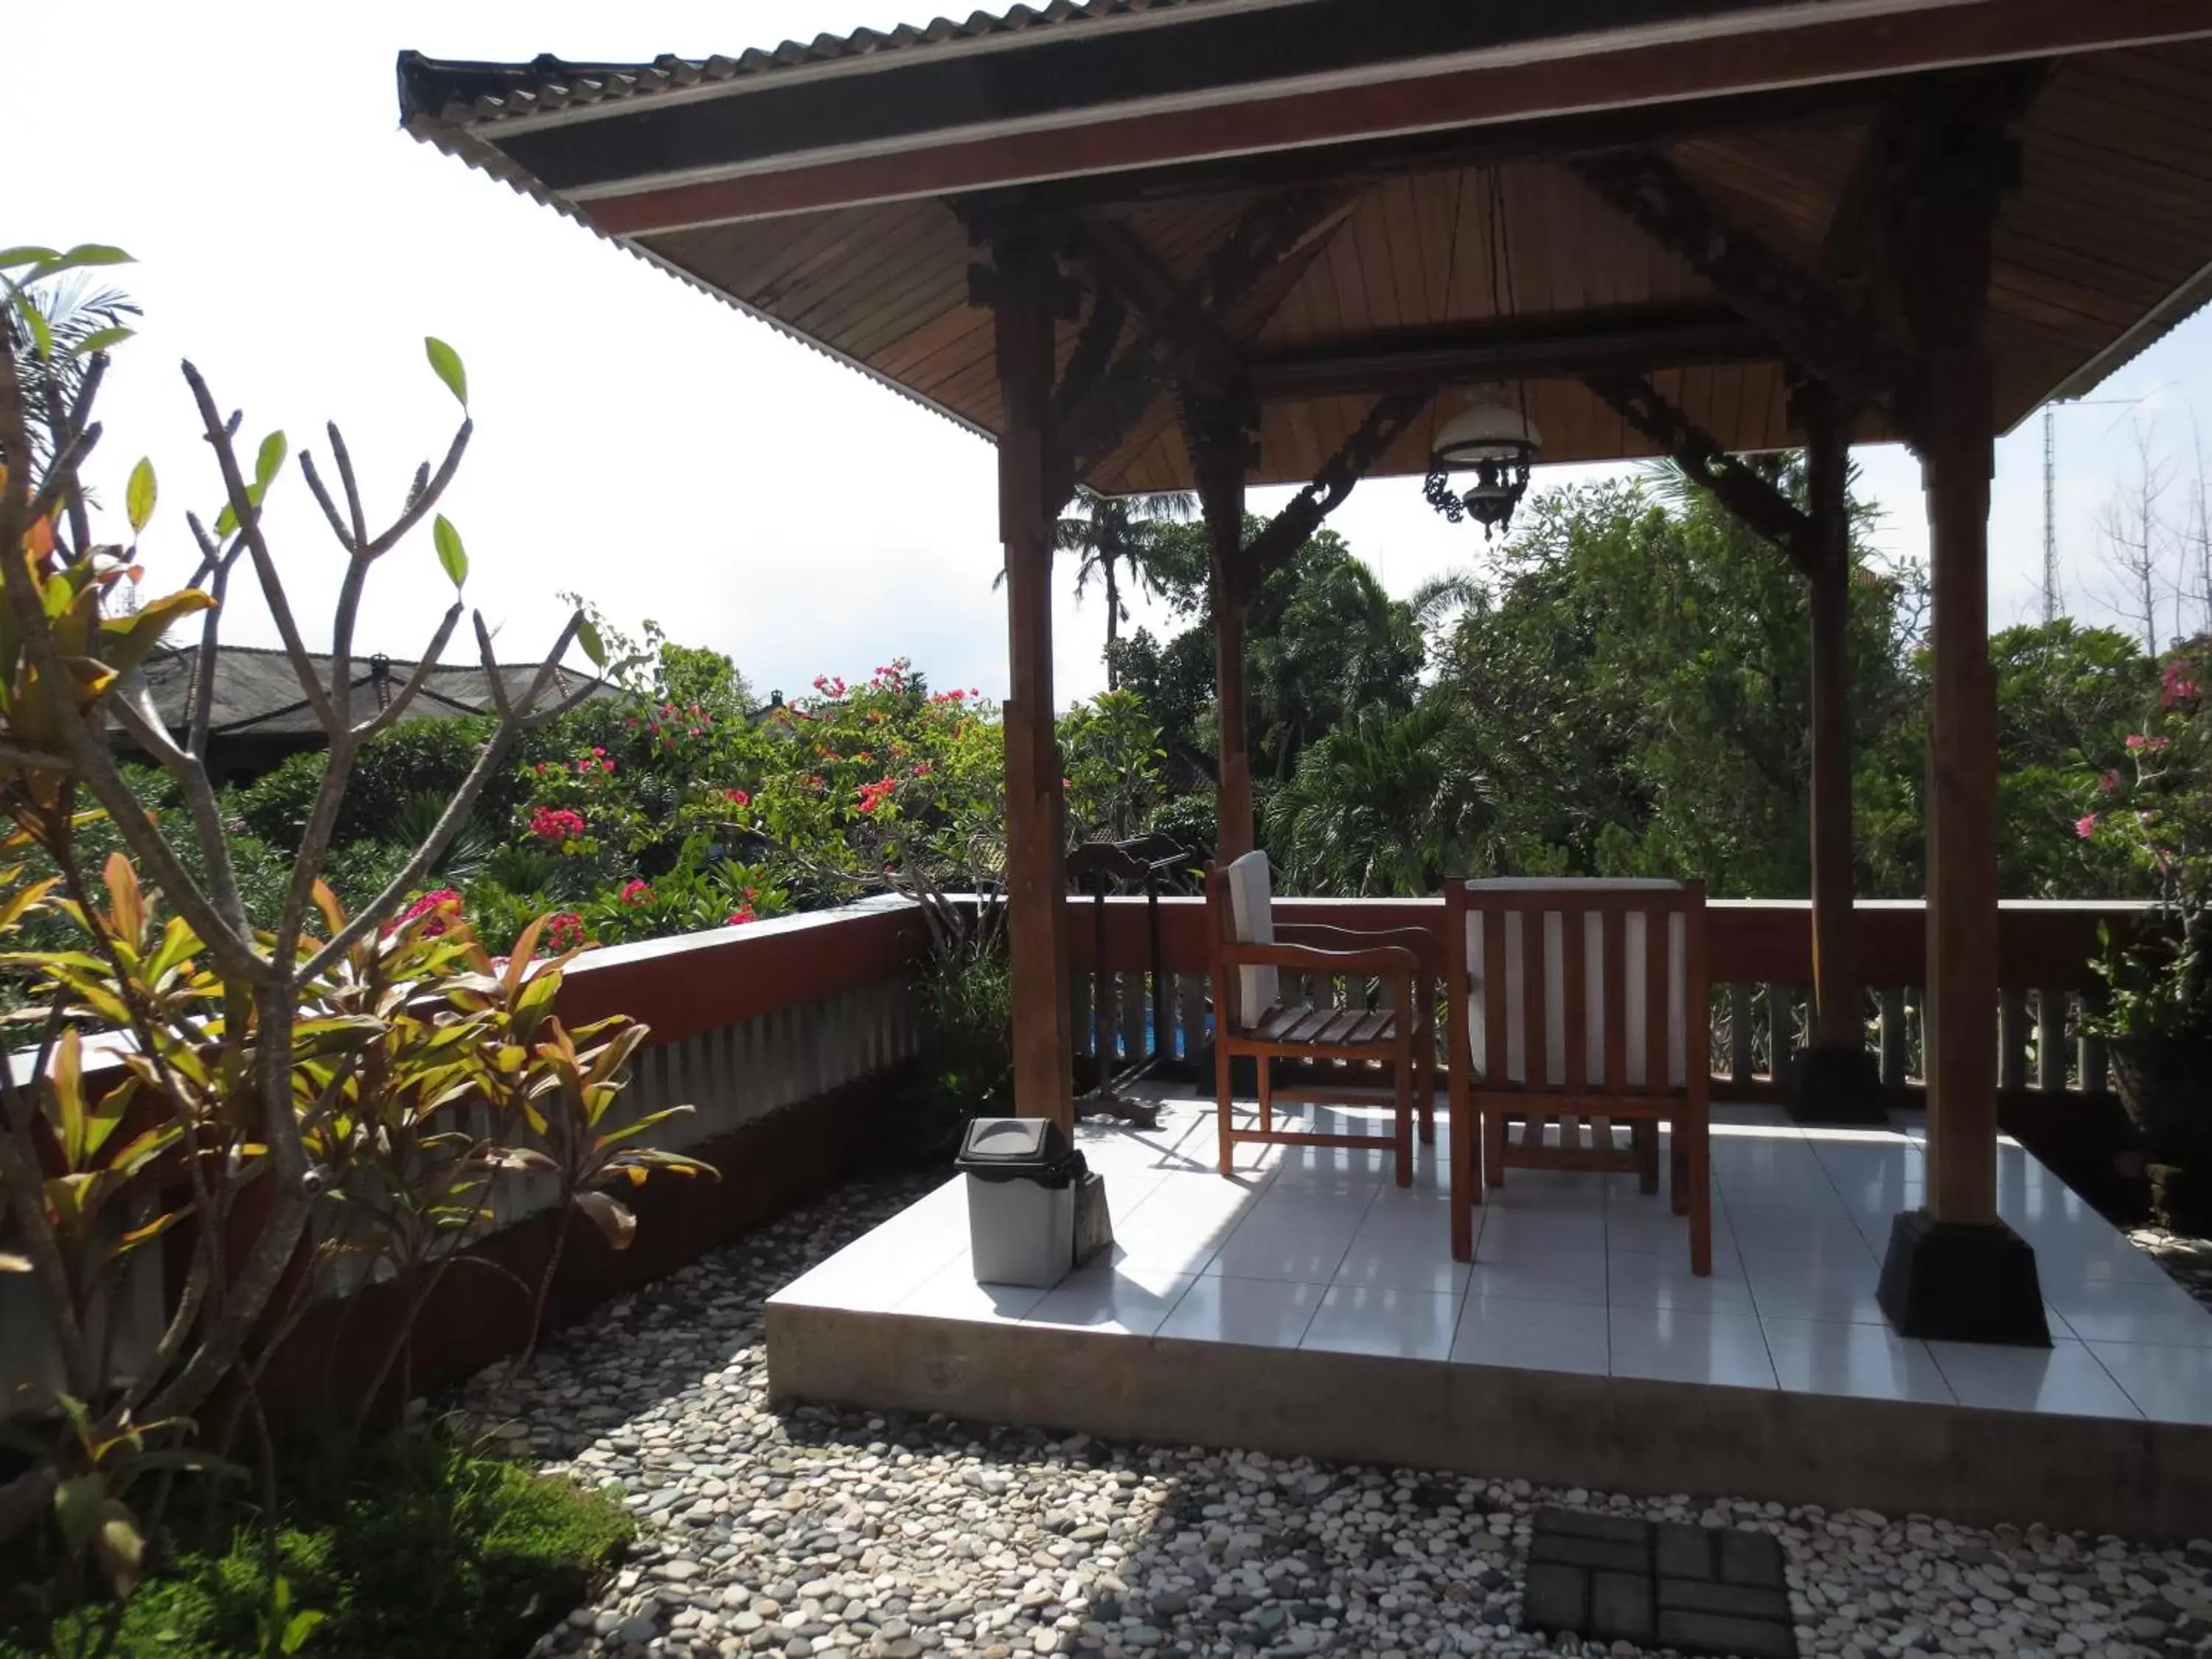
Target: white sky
point(636, 441)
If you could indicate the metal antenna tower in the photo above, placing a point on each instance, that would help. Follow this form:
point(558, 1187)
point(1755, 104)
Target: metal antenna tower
point(2050, 602)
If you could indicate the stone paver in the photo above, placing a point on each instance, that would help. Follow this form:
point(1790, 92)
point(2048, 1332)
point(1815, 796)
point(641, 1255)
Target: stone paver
point(846, 1535)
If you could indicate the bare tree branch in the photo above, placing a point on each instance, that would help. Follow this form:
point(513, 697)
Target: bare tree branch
point(440, 837)
point(344, 459)
point(323, 500)
point(425, 494)
point(419, 678)
point(144, 722)
point(264, 566)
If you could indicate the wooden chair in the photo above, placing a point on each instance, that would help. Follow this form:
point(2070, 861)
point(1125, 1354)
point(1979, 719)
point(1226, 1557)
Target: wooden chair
point(1254, 1017)
point(1585, 1007)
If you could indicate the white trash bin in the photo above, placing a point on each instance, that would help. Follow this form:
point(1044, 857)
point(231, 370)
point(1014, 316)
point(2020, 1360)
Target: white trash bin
point(1022, 1180)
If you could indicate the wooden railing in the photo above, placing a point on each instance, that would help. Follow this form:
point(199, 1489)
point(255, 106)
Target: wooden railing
point(1761, 952)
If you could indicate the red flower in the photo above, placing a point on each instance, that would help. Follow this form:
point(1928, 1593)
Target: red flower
point(922, 769)
point(442, 905)
point(737, 798)
point(739, 918)
point(2175, 683)
point(556, 824)
point(2137, 740)
point(2085, 826)
point(637, 892)
point(564, 930)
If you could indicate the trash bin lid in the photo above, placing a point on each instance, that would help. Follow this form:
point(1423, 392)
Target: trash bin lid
point(1005, 1147)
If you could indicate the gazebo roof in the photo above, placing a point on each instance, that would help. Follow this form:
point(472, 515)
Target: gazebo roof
point(834, 188)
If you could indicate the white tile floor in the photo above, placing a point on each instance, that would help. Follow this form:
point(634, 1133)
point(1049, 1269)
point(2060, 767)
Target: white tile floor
point(1321, 1250)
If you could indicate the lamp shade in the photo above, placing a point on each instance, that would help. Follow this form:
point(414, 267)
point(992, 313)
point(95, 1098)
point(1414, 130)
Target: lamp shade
point(1487, 432)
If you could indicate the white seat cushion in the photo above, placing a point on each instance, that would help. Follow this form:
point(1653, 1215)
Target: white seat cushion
point(1634, 929)
point(1252, 920)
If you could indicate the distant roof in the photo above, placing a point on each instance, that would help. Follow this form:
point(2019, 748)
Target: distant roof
point(258, 694)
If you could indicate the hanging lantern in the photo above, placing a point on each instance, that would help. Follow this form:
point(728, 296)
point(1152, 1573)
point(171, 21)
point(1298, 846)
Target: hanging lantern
point(1498, 444)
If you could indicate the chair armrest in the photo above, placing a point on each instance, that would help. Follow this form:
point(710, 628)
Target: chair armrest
point(1419, 940)
point(1307, 959)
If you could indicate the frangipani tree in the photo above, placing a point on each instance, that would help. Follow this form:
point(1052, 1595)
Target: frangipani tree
point(234, 1116)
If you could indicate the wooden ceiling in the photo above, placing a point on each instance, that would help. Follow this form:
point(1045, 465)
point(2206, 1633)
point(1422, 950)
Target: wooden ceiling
point(2111, 219)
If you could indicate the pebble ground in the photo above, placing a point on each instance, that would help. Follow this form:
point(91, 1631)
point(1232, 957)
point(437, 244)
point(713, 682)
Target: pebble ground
point(826, 1535)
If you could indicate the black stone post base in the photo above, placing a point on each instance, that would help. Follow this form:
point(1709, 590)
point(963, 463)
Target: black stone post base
point(1836, 1083)
point(1959, 1282)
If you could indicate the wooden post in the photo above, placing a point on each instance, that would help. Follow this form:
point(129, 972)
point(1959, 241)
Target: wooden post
point(1022, 290)
point(1957, 463)
point(1955, 1270)
point(1220, 443)
point(1835, 958)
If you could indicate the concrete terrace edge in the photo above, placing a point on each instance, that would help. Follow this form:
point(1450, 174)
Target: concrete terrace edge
point(2151, 1481)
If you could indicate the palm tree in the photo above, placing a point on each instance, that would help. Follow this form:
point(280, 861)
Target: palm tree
point(75, 311)
point(1392, 808)
point(1142, 532)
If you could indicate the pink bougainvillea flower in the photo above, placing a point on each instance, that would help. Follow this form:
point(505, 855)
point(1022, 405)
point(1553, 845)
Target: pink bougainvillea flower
point(2174, 683)
point(441, 904)
point(556, 824)
point(2110, 781)
point(2086, 825)
point(637, 892)
point(2138, 740)
point(922, 769)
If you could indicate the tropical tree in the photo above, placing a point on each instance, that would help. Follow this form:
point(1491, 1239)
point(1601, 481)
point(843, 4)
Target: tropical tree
point(1140, 541)
point(1396, 808)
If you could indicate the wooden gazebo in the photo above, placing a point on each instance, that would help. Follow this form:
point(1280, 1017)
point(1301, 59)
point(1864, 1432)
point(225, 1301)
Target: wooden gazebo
point(1207, 243)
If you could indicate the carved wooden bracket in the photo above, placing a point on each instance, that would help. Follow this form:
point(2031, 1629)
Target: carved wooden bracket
point(1811, 318)
point(1761, 508)
point(1279, 543)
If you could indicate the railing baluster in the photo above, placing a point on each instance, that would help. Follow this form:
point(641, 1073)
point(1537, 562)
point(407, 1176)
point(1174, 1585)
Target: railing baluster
point(1078, 998)
point(1738, 1033)
point(1136, 1008)
point(1892, 1036)
point(2051, 1041)
point(2012, 1038)
point(1781, 1021)
point(1190, 1014)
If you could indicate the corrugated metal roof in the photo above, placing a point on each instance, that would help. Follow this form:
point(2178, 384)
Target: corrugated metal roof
point(257, 694)
point(471, 93)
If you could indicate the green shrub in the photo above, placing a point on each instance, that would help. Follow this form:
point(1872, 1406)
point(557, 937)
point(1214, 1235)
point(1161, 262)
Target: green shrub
point(424, 1550)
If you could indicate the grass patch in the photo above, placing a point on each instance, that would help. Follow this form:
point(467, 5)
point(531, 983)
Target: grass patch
point(425, 1549)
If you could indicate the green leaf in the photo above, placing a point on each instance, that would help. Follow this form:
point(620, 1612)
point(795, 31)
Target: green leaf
point(100, 340)
point(448, 363)
point(92, 253)
point(299, 1627)
point(42, 337)
point(227, 521)
point(270, 458)
point(26, 255)
point(138, 497)
point(76, 1508)
point(451, 558)
point(588, 636)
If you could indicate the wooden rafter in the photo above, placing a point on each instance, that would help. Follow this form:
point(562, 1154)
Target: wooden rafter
point(1811, 318)
point(1735, 486)
point(1630, 339)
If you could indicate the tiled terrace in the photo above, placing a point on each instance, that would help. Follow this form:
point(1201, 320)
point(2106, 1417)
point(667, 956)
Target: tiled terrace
point(1242, 1311)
